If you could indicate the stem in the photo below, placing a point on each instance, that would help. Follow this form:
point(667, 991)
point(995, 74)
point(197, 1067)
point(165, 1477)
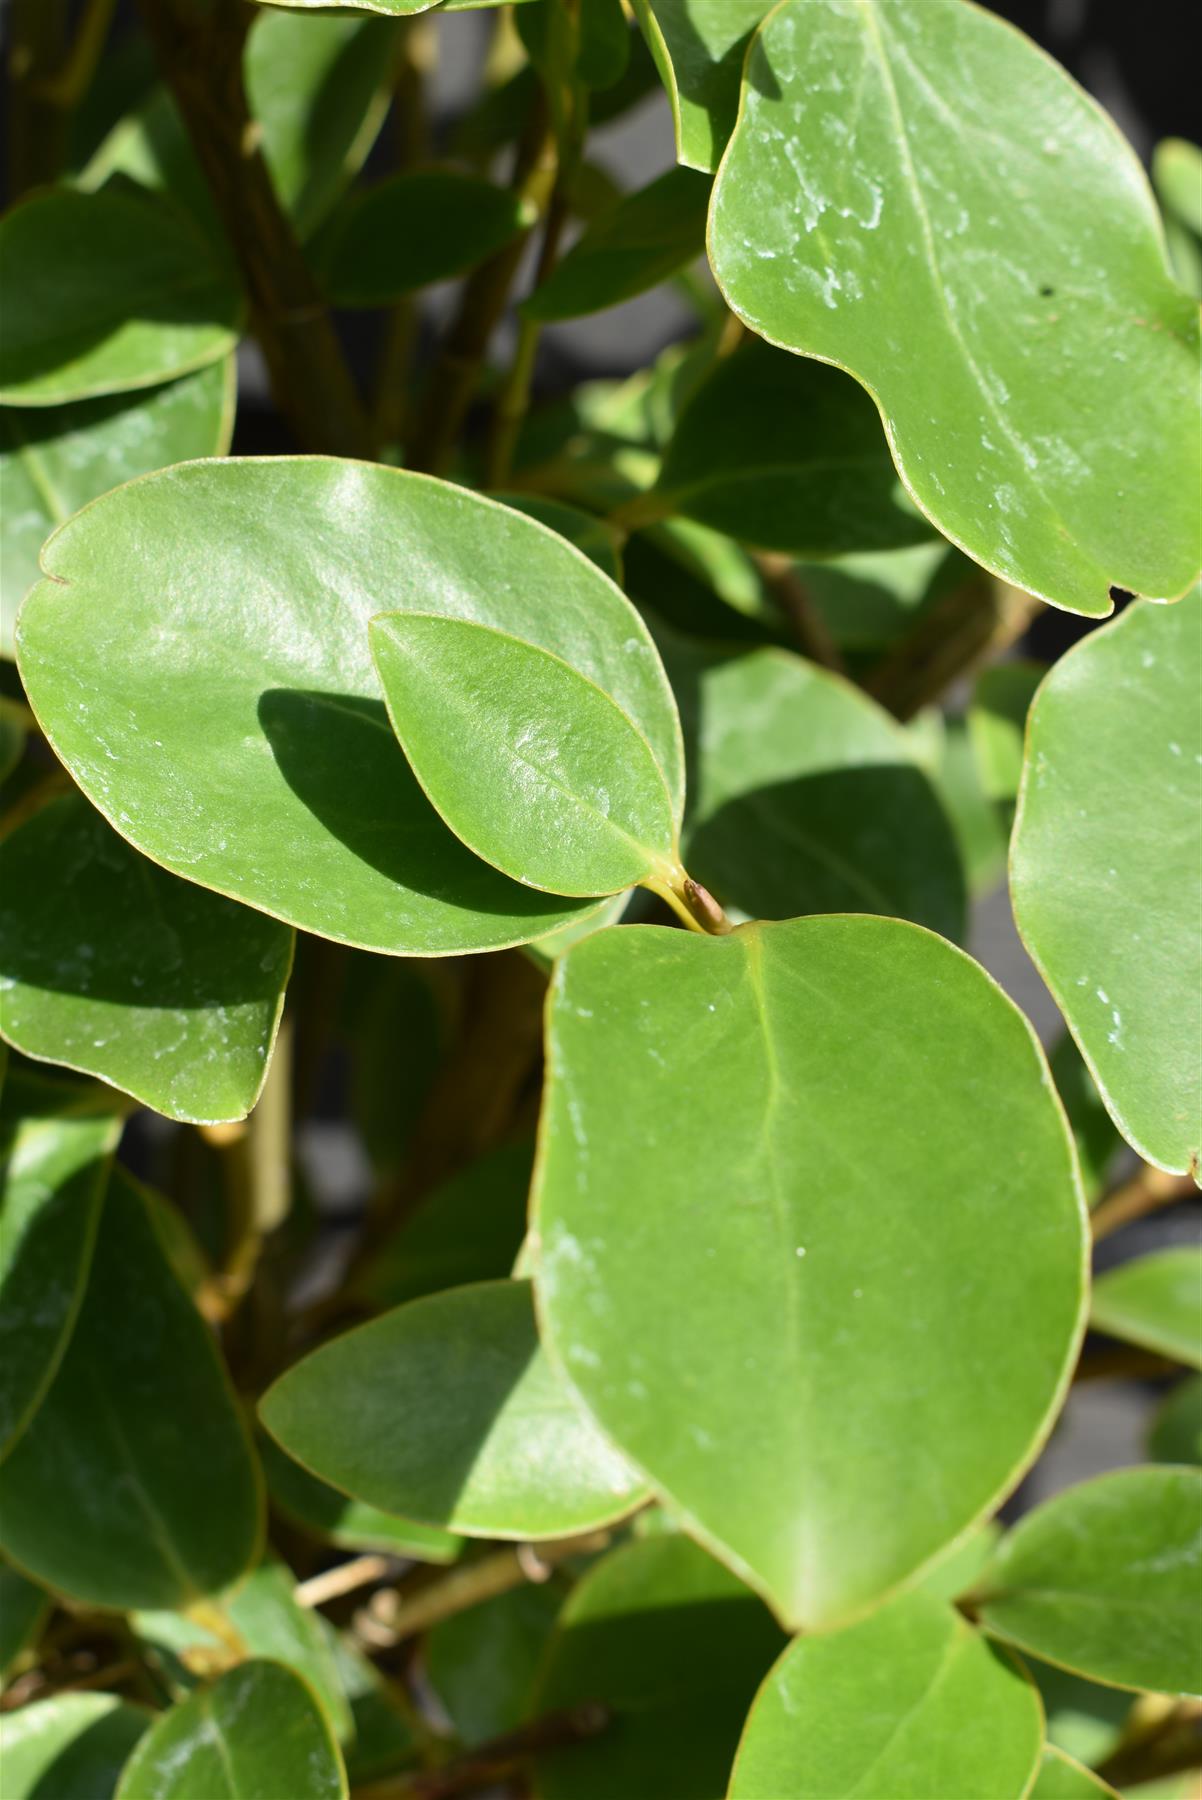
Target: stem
point(693, 905)
point(514, 399)
point(256, 1155)
point(345, 1578)
point(475, 1582)
point(199, 47)
point(791, 594)
point(489, 1763)
point(1146, 1192)
point(1161, 1740)
point(418, 54)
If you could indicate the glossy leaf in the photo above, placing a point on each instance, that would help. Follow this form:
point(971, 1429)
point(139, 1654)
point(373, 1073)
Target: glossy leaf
point(1154, 1301)
point(532, 766)
point(795, 1059)
point(54, 1154)
point(699, 46)
point(938, 1712)
point(1060, 1778)
point(494, 1444)
point(1104, 864)
point(639, 242)
point(104, 292)
point(24, 1607)
point(54, 460)
point(271, 720)
point(805, 796)
point(1103, 1579)
point(350, 1524)
point(72, 1747)
point(256, 1734)
point(423, 226)
point(133, 1486)
point(112, 966)
point(674, 1647)
point(936, 151)
point(597, 539)
point(1176, 1434)
point(786, 454)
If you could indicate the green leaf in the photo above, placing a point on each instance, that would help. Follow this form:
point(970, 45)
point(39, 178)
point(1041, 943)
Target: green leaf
point(956, 1571)
point(805, 796)
point(1177, 177)
point(597, 539)
point(266, 1615)
point(104, 292)
point(245, 741)
point(134, 1485)
point(871, 599)
point(637, 243)
point(70, 1748)
point(386, 1732)
point(1103, 1579)
point(24, 1608)
point(54, 460)
point(530, 764)
point(348, 1523)
point(113, 967)
point(997, 718)
point(699, 46)
point(673, 1647)
point(256, 1734)
point(941, 744)
point(55, 1146)
point(1104, 864)
point(793, 1060)
point(402, 234)
point(1093, 1129)
point(934, 1709)
point(1176, 1434)
point(494, 1444)
point(1060, 1778)
point(1154, 1301)
point(482, 1662)
point(922, 197)
point(1084, 1720)
point(788, 455)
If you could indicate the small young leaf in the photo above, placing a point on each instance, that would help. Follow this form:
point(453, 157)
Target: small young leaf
point(104, 292)
point(134, 1484)
point(673, 1647)
point(24, 1607)
point(530, 764)
point(55, 1147)
point(72, 1747)
point(920, 196)
point(53, 460)
point(493, 1445)
point(1103, 1579)
point(635, 245)
point(404, 233)
point(112, 966)
point(937, 1710)
point(1177, 177)
point(699, 46)
point(257, 1734)
point(1060, 1778)
point(1154, 1301)
point(1176, 1433)
point(794, 1060)
point(1104, 864)
point(786, 454)
point(348, 1523)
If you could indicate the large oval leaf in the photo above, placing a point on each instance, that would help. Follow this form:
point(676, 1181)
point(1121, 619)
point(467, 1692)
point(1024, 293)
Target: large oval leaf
point(55, 1145)
point(1155, 1301)
point(134, 1485)
point(53, 460)
point(72, 1747)
point(1104, 866)
point(803, 1302)
point(103, 292)
point(256, 1734)
point(458, 1420)
point(111, 966)
point(1103, 1579)
point(920, 196)
point(531, 765)
point(239, 735)
point(937, 1712)
point(699, 46)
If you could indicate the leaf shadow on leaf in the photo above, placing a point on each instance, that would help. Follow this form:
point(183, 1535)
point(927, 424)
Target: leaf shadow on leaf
point(338, 754)
point(199, 304)
point(93, 1758)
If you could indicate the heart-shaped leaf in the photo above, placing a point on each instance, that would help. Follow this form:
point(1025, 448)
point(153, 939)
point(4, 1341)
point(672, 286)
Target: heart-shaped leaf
point(1061, 1778)
point(531, 765)
point(922, 197)
point(937, 1710)
point(402, 234)
point(256, 1734)
point(637, 243)
point(55, 1145)
point(1103, 1579)
point(1104, 866)
point(111, 966)
point(104, 292)
point(1154, 1301)
point(134, 1484)
point(773, 1312)
point(72, 1747)
point(239, 735)
point(53, 460)
point(494, 1444)
point(350, 1524)
point(699, 46)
